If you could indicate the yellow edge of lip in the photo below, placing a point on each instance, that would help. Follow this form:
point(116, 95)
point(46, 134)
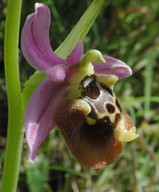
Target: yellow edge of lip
point(129, 135)
point(90, 121)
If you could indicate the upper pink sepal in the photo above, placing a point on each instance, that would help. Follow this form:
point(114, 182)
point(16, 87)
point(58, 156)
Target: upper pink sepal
point(76, 54)
point(35, 42)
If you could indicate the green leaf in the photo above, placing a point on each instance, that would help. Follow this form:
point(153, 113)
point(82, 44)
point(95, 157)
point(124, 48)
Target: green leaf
point(81, 28)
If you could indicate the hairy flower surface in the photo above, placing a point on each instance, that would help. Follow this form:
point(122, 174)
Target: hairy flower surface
point(76, 96)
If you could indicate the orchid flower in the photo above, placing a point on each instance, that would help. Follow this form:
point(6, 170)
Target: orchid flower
point(76, 96)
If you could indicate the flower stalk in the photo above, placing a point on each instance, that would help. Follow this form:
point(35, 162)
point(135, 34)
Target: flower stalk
point(15, 117)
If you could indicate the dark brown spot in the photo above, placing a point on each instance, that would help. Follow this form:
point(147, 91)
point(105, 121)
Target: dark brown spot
point(118, 105)
point(92, 91)
point(97, 133)
point(110, 108)
point(90, 88)
point(101, 130)
point(117, 118)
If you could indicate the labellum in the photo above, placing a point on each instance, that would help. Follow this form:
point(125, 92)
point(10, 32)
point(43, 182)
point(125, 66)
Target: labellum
point(93, 123)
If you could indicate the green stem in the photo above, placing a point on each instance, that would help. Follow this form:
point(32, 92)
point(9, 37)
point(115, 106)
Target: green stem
point(15, 124)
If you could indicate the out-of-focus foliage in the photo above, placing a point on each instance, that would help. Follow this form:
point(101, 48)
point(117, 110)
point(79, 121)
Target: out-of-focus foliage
point(128, 30)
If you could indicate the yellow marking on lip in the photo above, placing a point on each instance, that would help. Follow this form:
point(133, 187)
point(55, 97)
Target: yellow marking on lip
point(108, 80)
point(90, 121)
point(129, 135)
point(81, 105)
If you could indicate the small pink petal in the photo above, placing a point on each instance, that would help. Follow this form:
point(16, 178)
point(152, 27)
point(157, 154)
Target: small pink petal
point(35, 43)
point(39, 118)
point(112, 66)
point(76, 54)
point(57, 73)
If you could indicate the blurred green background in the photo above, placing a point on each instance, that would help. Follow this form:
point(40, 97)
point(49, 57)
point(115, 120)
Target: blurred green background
point(128, 30)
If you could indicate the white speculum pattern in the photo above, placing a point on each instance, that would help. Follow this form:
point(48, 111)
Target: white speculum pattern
point(99, 105)
point(101, 99)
